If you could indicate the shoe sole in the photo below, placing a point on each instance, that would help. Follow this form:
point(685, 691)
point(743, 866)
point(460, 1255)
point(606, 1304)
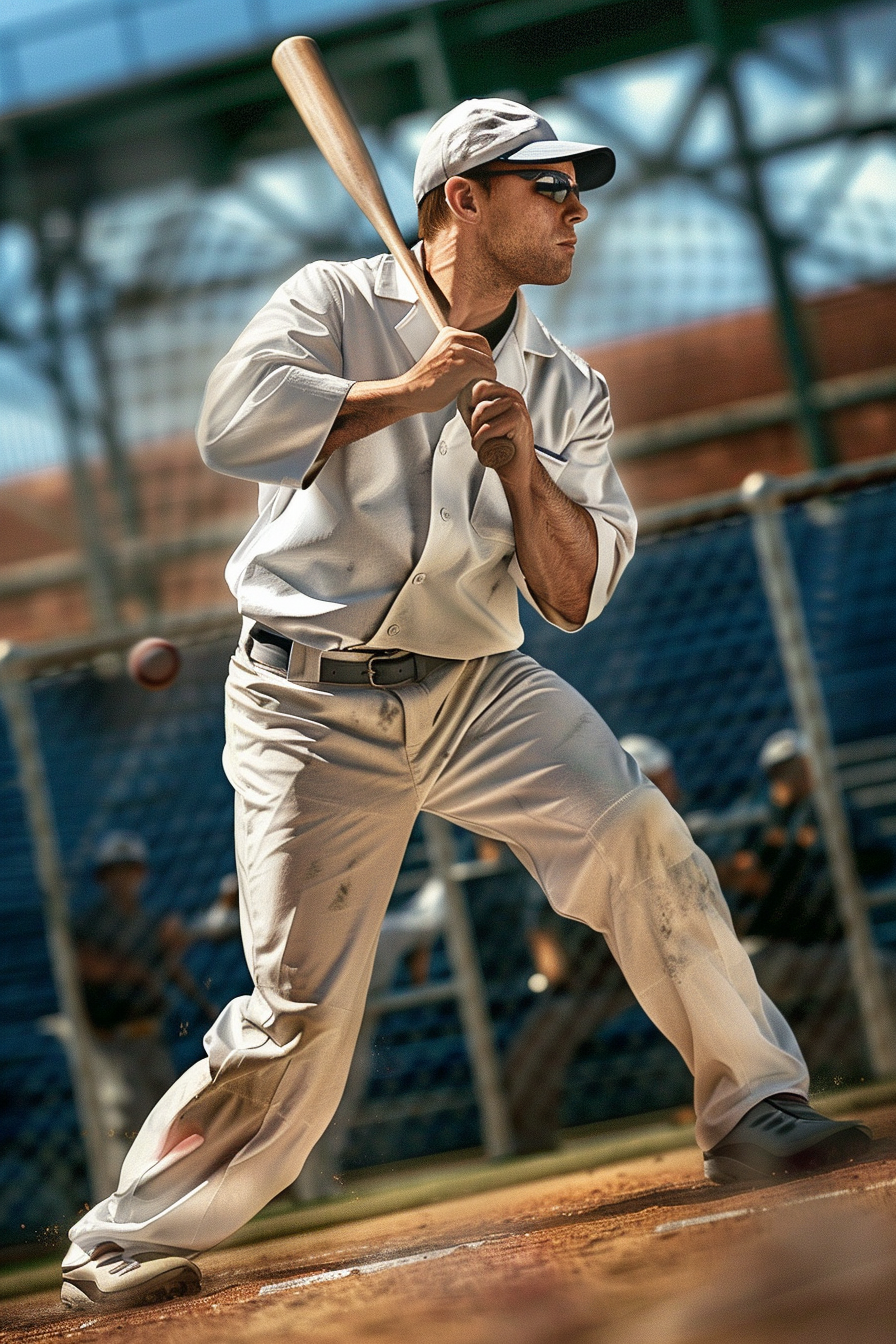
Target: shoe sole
point(175, 1283)
point(728, 1171)
point(831, 1152)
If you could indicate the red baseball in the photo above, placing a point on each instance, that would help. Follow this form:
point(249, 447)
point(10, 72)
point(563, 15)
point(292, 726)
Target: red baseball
point(154, 663)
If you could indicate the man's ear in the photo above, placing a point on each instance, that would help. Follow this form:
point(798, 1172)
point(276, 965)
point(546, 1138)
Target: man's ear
point(461, 195)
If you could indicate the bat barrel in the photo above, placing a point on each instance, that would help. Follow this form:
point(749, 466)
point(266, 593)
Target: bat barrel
point(301, 70)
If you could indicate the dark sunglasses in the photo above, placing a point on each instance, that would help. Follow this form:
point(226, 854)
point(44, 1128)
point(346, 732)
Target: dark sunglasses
point(548, 182)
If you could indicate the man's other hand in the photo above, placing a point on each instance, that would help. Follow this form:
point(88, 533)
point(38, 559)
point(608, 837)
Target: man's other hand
point(454, 359)
point(500, 412)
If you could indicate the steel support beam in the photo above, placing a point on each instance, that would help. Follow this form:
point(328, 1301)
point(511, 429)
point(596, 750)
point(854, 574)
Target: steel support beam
point(420, 43)
point(100, 584)
point(98, 567)
point(118, 464)
point(708, 26)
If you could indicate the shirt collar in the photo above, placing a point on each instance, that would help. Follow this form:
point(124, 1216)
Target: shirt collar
point(416, 329)
point(532, 336)
point(391, 281)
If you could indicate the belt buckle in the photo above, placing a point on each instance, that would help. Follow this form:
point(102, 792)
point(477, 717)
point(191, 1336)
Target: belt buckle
point(384, 658)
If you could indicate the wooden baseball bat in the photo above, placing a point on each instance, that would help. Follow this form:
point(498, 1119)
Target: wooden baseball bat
point(301, 70)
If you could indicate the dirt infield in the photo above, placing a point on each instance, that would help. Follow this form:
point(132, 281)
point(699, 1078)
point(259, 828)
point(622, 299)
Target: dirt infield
point(644, 1251)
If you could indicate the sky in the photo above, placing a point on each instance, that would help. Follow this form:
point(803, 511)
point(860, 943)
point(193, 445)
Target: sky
point(54, 48)
point(668, 242)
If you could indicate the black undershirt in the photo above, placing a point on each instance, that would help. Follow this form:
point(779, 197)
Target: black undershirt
point(495, 331)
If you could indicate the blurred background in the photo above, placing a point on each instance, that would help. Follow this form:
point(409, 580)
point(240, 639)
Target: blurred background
point(735, 283)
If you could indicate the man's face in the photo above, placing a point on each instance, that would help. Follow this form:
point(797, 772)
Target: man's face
point(790, 782)
point(527, 237)
point(124, 882)
point(667, 782)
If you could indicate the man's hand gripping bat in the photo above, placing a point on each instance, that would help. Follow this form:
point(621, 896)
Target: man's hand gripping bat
point(301, 71)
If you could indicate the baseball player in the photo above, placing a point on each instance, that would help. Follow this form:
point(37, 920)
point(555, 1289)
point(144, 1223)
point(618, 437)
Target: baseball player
point(379, 674)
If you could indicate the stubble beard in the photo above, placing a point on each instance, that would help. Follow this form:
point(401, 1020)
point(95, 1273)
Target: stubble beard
point(512, 261)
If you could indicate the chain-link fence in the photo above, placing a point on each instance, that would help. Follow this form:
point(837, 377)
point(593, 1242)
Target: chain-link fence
point(688, 652)
point(756, 187)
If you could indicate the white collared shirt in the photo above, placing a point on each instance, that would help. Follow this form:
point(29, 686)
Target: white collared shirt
point(401, 539)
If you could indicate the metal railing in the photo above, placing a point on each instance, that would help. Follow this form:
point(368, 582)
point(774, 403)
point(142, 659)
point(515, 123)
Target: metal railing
point(38, 683)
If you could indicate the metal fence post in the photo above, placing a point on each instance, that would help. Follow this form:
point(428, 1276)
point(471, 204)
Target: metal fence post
point(19, 707)
point(472, 1001)
point(761, 495)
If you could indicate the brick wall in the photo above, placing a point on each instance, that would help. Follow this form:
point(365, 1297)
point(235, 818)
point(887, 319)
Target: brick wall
point(731, 359)
point(709, 364)
point(651, 378)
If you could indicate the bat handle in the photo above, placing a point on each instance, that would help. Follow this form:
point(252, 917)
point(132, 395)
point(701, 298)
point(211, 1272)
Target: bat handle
point(497, 452)
point(494, 452)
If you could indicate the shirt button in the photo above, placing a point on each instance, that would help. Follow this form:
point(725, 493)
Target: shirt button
point(444, 515)
point(443, 448)
point(418, 578)
point(394, 630)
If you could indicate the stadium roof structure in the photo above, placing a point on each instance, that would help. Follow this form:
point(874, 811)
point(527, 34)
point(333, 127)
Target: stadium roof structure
point(166, 197)
point(58, 48)
point(93, 92)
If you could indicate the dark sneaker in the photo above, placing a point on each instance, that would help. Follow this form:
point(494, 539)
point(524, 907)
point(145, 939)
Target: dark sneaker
point(113, 1280)
point(783, 1136)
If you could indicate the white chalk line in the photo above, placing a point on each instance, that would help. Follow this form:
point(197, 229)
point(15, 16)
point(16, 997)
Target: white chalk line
point(770, 1208)
point(378, 1266)
point(373, 1267)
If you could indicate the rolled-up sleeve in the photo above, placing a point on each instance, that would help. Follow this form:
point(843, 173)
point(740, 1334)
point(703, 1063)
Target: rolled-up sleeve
point(272, 400)
point(590, 479)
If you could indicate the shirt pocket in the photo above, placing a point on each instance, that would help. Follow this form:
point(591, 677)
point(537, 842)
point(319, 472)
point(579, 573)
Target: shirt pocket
point(553, 460)
point(491, 516)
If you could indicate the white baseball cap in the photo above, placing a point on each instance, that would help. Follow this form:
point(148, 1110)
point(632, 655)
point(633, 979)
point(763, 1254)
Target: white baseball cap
point(481, 130)
point(782, 747)
point(120, 847)
point(228, 886)
point(651, 754)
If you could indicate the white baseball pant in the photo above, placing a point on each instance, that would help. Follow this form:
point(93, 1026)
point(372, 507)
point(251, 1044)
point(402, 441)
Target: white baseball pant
point(328, 782)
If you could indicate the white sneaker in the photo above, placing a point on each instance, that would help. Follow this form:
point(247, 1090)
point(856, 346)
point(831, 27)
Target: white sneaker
point(112, 1279)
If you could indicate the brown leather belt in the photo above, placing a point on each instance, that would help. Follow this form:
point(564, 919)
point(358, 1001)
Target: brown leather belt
point(273, 650)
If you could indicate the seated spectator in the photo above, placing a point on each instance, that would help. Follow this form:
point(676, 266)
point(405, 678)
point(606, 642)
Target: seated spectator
point(778, 878)
point(778, 882)
point(127, 960)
